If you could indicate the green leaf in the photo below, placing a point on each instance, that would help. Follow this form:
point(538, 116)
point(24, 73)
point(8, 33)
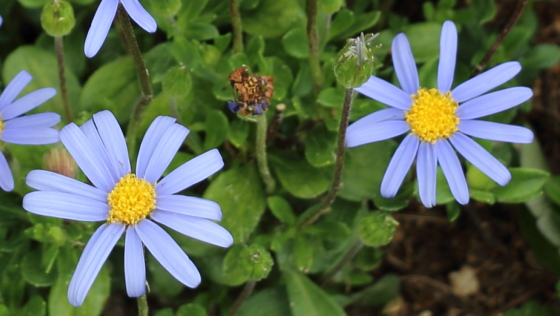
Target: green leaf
point(298, 177)
point(201, 31)
point(295, 43)
point(381, 292)
point(36, 306)
point(281, 209)
point(482, 196)
point(33, 3)
point(399, 202)
point(329, 230)
point(424, 40)
point(191, 310)
point(531, 308)
point(161, 281)
point(304, 81)
point(282, 75)
point(525, 185)
point(242, 264)
point(238, 132)
point(453, 211)
point(377, 228)
point(484, 10)
point(331, 97)
point(239, 192)
point(217, 127)
point(260, 21)
point(552, 189)
point(190, 10)
point(320, 147)
point(341, 22)
point(272, 301)
point(542, 56)
point(361, 23)
point(303, 253)
point(329, 6)
point(443, 192)
point(307, 299)
point(34, 273)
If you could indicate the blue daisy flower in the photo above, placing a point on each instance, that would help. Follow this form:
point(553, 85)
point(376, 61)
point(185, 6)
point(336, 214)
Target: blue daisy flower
point(35, 129)
point(130, 202)
point(104, 18)
point(438, 120)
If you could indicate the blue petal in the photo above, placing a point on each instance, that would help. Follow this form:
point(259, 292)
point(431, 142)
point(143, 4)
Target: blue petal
point(27, 103)
point(426, 168)
point(493, 102)
point(405, 67)
point(66, 206)
point(91, 133)
point(386, 93)
point(95, 253)
point(134, 265)
point(113, 140)
point(149, 143)
point(34, 120)
point(486, 81)
point(480, 158)
point(43, 180)
point(140, 15)
point(496, 131)
point(189, 205)
point(100, 26)
point(379, 116)
point(365, 134)
point(30, 136)
point(6, 178)
point(191, 172)
point(453, 171)
point(14, 88)
point(168, 253)
point(87, 158)
point(1, 21)
point(399, 165)
point(165, 151)
point(447, 56)
point(194, 227)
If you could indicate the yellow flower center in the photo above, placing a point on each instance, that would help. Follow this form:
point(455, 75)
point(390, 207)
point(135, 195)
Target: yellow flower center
point(1, 124)
point(432, 115)
point(131, 200)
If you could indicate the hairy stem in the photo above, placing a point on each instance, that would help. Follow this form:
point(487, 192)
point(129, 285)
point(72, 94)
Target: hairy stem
point(236, 25)
point(313, 39)
point(247, 290)
point(59, 48)
point(352, 252)
point(261, 154)
point(142, 306)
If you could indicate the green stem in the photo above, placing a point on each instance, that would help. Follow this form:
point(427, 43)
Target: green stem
point(236, 25)
point(145, 85)
point(142, 306)
point(352, 252)
point(261, 154)
point(313, 39)
point(324, 207)
point(247, 290)
point(59, 48)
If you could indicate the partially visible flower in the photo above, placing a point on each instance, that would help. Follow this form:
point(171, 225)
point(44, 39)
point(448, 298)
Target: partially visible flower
point(252, 92)
point(125, 200)
point(1, 21)
point(439, 120)
point(35, 129)
point(104, 18)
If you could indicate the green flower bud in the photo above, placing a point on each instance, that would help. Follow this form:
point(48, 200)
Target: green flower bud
point(377, 228)
point(243, 264)
point(57, 18)
point(165, 7)
point(177, 82)
point(355, 62)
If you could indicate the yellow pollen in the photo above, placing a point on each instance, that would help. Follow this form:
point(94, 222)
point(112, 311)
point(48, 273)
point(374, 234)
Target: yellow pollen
point(1, 124)
point(131, 200)
point(432, 115)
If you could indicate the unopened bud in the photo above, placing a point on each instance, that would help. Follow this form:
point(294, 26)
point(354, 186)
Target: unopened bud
point(355, 62)
point(165, 7)
point(242, 264)
point(177, 82)
point(377, 228)
point(57, 18)
point(60, 161)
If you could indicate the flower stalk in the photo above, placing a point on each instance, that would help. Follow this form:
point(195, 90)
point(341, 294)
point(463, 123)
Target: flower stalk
point(245, 293)
point(142, 306)
point(236, 25)
point(261, 154)
point(313, 39)
point(59, 49)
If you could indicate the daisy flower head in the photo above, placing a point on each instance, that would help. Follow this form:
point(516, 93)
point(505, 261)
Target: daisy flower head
point(104, 18)
point(129, 202)
point(34, 129)
point(439, 121)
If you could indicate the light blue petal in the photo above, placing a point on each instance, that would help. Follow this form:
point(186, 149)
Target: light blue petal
point(496, 131)
point(140, 15)
point(447, 56)
point(486, 81)
point(194, 227)
point(399, 165)
point(405, 67)
point(66, 206)
point(365, 134)
point(1, 21)
point(493, 102)
point(30, 136)
point(165, 151)
point(386, 93)
point(113, 140)
point(95, 253)
point(90, 131)
point(134, 264)
point(43, 180)
point(6, 178)
point(27, 103)
point(453, 171)
point(14, 88)
point(191, 172)
point(426, 168)
point(152, 137)
point(189, 205)
point(481, 158)
point(34, 120)
point(168, 253)
point(379, 116)
point(100, 26)
point(87, 158)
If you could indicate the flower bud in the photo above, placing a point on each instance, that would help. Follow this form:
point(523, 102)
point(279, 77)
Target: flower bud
point(355, 62)
point(177, 82)
point(377, 228)
point(165, 7)
point(57, 18)
point(242, 264)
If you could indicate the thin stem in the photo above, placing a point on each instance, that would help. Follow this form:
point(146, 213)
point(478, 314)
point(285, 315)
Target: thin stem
point(142, 306)
point(261, 154)
point(275, 123)
point(59, 48)
point(247, 290)
point(313, 39)
point(145, 85)
point(236, 25)
point(516, 14)
point(352, 252)
point(324, 207)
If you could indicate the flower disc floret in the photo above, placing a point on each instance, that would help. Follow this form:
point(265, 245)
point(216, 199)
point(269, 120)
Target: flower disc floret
point(432, 115)
point(131, 200)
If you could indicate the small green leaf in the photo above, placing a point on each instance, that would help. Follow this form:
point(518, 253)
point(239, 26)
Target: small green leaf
point(201, 31)
point(242, 264)
point(298, 177)
point(161, 281)
point(329, 230)
point(238, 132)
point(482, 196)
point(304, 81)
point(342, 21)
point(191, 310)
point(525, 185)
point(381, 292)
point(542, 56)
point(307, 299)
point(281, 209)
point(260, 21)
point(531, 308)
point(377, 228)
point(552, 189)
point(35, 273)
point(453, 211)
point(271, 301)
point(320, 147)
point(331, 97)
point(303, 253)
point(424, 40)
point(217, 127)
point(36, 306)
point(295, 43)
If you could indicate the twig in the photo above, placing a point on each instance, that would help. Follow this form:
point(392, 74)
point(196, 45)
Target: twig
point(59, 48)
point(313, 39)
point(261, 154)
point(247, 290)
point(236, 25)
